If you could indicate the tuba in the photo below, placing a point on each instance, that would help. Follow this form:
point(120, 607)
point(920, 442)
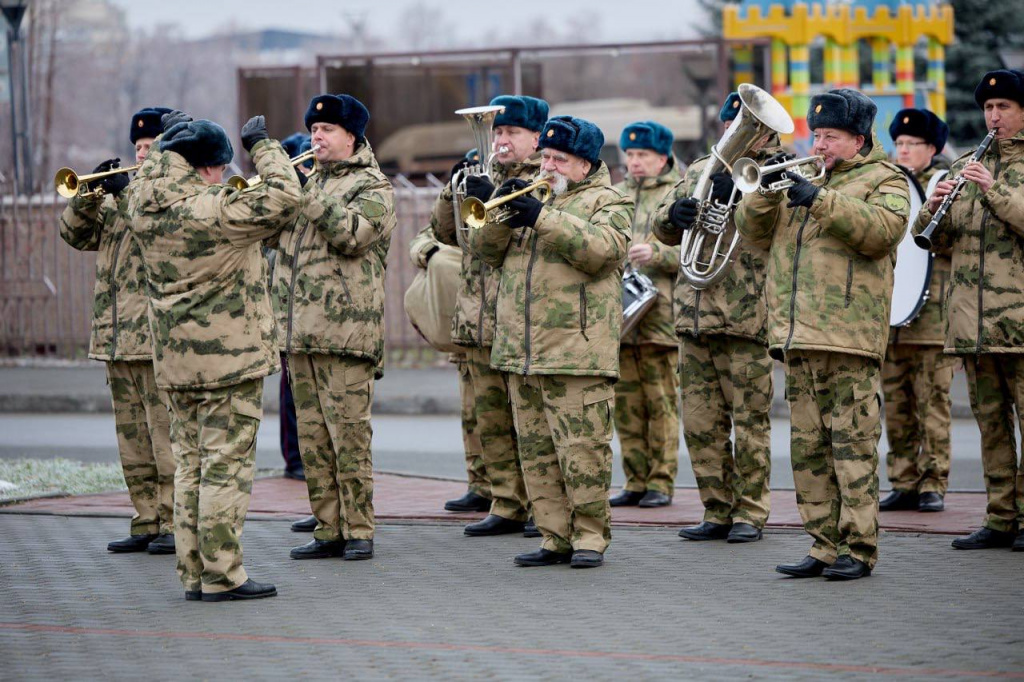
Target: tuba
point(481, 120)
point(760, 115)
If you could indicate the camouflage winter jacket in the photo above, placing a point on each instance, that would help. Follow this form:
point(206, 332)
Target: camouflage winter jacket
point(830, 267)
point(656, 326)
point(473, 322)
point(329, 284)
point(120, 309)
point(735, 305)
point(929, 327)
point(986, 235)
point(559, 308)
point(212, 321)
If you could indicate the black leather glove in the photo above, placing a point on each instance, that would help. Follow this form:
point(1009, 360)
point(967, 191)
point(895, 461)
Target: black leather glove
point(172, 119)
point(509, 186)
point(112, 184)
point(303, 178)
point(775, 176)
point(479, 187)
point(802, 193)
point(684, 212)
point(459, 165)
point(527, 210)
point(721, 187)
point(254, 130)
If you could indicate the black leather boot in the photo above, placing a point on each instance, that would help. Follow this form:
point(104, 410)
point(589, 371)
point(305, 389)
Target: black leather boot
point(132, 543)
point(898, 500)
point(470, 502)
point(306, 525)
point(706, 531)
point(163, 544)
point(318, 549)
point(530, 530)
point(494, 525)
point(930, 502)
point(356, 550)
point(743, 532)
point(627, 498)
point(586, 558)
point(808, 568)
point(847, 568)
point(250, 589)
point(985, 538)
point(652, 498)
point(543, 557)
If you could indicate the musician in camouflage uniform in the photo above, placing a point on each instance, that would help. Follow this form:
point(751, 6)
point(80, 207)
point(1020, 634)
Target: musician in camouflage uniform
point(422, 248)
point(647, 393)
point(213, 331)
point(121, 338)
point(516, 131)
point(726, 373)
point(559, 312)
point(916, 374)
point(985, 303)
point(329, 295)
point(832, 250)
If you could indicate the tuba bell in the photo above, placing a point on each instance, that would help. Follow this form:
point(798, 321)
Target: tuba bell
point(759, 116)
point(481, 120)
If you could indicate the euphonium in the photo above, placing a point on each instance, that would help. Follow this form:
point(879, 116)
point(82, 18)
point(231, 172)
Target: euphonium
point(238, 182)
point(475, 213)
point(750, 177)
point(481, 120)
point(759, 116)
point(68, 183)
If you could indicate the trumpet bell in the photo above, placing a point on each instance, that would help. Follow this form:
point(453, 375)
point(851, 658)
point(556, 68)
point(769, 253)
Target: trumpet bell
point(474, 213)
point(238, 182)
point(746, 175)
point(66, 183)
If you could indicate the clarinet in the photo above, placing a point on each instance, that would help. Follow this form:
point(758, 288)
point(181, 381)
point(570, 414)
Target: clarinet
point(924, 240)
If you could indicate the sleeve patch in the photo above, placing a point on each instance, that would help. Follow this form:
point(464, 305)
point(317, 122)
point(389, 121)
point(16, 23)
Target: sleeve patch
point(896, 203)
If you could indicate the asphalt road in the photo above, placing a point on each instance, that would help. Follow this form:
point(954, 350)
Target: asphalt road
point(429, 446)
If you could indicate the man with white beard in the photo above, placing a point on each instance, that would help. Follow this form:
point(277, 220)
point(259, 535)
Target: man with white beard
point(559, 311)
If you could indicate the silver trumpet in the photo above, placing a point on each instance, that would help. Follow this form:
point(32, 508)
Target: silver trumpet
point(705, 252)
point(749, 177)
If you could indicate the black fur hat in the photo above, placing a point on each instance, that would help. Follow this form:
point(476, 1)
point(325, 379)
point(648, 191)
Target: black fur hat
point(843, 109)
point(920, 123)
point(146, 123)
point(202, 143)
point(1000, 84)
point(343, 110)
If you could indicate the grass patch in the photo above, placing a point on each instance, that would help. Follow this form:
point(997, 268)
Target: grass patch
point(26, 477)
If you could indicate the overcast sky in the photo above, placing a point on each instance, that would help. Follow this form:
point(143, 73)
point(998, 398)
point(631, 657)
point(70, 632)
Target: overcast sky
point(620, 20)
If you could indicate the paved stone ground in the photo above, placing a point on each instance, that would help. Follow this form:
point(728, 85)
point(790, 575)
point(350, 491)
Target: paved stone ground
point(433, 604)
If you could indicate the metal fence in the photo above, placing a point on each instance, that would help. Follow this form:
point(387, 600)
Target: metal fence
point(46, 287)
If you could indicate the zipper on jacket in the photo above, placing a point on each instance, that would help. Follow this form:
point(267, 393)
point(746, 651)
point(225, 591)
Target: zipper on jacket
point(529, 286)
point(344, 288)
point(696, 313)
point(849, 282)
point(583, 310)
point(796, 269)
point(981, 265)
point(113, 296)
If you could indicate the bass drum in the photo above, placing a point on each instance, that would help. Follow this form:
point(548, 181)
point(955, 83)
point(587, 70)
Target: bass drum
point(913, 271)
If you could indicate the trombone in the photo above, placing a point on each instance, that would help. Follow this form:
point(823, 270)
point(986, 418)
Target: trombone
point(240, 183)
point(475, 213)
point(749, 177)
point(68, 183)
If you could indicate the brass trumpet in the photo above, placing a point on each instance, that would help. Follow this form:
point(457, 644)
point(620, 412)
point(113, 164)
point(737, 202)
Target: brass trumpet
point(68, 183)
point(240, 183)
point(749, 177)
point(476, 214)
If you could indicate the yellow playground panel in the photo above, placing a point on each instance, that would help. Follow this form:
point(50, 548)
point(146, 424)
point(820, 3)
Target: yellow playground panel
point(893, 28)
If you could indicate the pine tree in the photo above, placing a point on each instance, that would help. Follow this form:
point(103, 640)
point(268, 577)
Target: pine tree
point(983, 29)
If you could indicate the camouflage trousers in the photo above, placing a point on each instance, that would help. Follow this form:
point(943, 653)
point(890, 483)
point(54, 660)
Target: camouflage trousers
point(476, 472)
point(497, 436)
point(836, 423)
point(647, 416)
point(726, 385)
point(996, 386)
point(144, 444)
point(564, 425)
point(916, 381)
point(333, 396)
point(213, 434)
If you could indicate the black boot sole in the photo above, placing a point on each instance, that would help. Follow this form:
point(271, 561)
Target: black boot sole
point(228, 596)
point(844, 576)
point(197, 595)
point(797, 574)
point(538, 564)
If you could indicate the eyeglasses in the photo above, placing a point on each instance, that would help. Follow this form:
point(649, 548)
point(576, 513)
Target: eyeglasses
point(909, 145)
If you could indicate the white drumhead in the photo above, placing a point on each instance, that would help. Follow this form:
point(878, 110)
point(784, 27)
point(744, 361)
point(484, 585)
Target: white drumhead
point(912, 274)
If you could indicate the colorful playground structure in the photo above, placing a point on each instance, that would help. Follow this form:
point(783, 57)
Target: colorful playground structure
point(891, 29)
